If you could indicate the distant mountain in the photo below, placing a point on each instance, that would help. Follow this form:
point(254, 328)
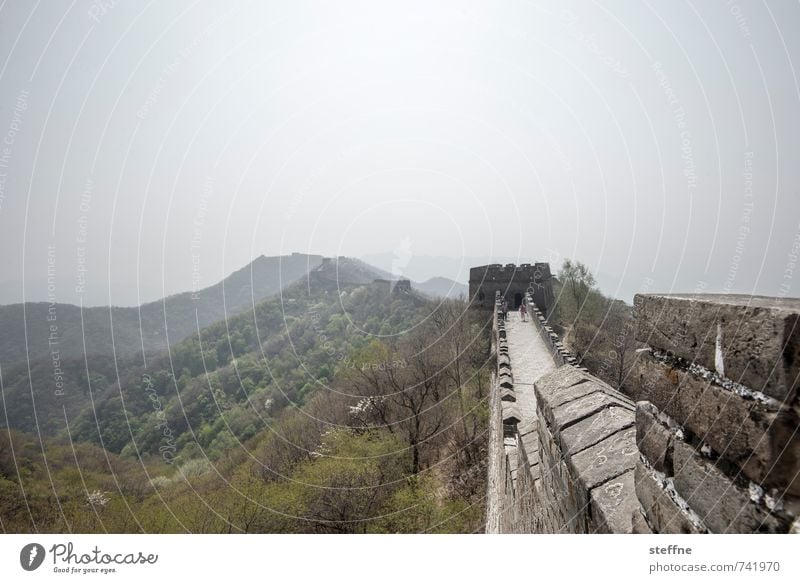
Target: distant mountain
point(98, 395)
point(57, 331)
point(442, 287)
point(361, 272)
point(349, 270)
point(425, 267)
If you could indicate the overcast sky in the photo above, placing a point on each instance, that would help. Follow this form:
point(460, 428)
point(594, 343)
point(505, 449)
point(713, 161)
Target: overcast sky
point(147, 143)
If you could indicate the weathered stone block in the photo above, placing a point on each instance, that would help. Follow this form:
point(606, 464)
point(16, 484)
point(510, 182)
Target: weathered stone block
point(574, 508)
point(723, 506)
point(639, 523)
point(754, 340)
point(605, 460)
point(530, 442)
point(561, 378)
point(508, 395)
point(510, 414)
point(594, 429)
point(652, 438)
point(563, 396)
point(511, 457)
point(613, 505)
point(661, 510)
point(549, 454)
point(581, 408)
point(760, 440)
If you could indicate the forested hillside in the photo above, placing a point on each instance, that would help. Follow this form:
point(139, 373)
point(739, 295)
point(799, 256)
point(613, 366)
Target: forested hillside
point(338, 406)
point(35, 330)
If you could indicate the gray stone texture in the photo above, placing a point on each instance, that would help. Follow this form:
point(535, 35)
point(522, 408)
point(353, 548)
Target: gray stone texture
point(559, 379)
point(587, 442)
point(761, 441)
point(661, 510)
point(508, 395)
point(723, 506)
point(510, 413)
point(759, 337)
point(594, 429)
point(573, 411)
point(639, 523)
point(652, 438)
point(605, 460)
point(613, 505)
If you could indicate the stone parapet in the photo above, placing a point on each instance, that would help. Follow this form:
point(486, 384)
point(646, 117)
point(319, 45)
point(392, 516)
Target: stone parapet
point(752, 340)
point(717, 413)
point(587, 454)
point(560, 354)
point(756, 434)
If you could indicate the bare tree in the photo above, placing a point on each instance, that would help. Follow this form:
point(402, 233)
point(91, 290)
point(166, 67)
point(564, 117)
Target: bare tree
point(406, 399)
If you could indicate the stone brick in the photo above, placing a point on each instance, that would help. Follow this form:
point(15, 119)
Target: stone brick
point(605, 460)
point(613, 505)
point(508, 395)
point(652, 438)
point(510, 414)
point(505, 380)
point(761, 441)
point(561, 378)
point(530, 442)
point(594, 429)
point(573, 411)
point(512, 456)
point(549, 454)
point(723, 506)
point(756, 339)
point(661, 510)
point(574, 509)
point(567, 395)
point(639, 523)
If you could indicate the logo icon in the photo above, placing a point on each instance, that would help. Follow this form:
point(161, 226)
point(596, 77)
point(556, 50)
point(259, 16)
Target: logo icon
point(31, 556)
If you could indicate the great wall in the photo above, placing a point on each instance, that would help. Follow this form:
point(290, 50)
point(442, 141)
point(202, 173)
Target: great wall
point(706, 440)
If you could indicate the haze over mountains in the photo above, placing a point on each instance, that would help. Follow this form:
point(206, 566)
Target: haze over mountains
point(36, 329)
point(27, 329)
point(434, 275)
point(279, 333)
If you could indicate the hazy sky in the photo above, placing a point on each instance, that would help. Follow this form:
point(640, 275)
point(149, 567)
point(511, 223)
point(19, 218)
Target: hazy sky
point(153, 143)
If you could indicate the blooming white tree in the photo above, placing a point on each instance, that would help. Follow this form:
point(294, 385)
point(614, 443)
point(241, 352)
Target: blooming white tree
point(97, 498)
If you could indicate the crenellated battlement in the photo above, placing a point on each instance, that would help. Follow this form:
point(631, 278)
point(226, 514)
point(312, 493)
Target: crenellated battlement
point(513, 282)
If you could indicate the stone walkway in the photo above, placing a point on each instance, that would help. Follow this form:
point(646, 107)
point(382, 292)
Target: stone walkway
point(530, 359)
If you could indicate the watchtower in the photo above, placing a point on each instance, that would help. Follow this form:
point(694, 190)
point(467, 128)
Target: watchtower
point(512, 281)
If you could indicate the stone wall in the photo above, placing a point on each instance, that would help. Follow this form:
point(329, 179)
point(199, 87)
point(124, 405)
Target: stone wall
point(712, 444)
point(502, 511)
point(587, 455)
point(717, 413)
point(560, 354)
point(571, 469)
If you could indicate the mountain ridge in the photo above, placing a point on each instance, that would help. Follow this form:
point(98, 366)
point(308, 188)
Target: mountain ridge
point(61, 330)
